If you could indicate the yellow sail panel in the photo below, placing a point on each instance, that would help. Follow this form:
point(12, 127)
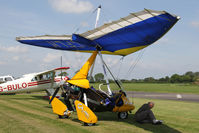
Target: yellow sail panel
point(84, 113)
point(83, 72)
point(58, 107)
point(122, 52)
point(83, 83)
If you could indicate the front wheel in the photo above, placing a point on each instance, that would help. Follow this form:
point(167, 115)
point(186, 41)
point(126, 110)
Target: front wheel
point(123, 115)
point(89, 124)
point(63, 116)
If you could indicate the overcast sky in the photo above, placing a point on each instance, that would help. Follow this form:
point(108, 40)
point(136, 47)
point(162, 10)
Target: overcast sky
point(176, 52)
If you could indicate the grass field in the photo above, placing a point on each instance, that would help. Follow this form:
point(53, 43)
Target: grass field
point(154, 87)
point(30, 113)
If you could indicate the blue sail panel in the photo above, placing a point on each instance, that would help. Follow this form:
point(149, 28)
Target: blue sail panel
point(121, 37)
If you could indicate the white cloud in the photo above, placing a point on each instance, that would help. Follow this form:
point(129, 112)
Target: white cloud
point(107, 21)
point(71, 6)
point(162, 41)
point(2, 63)
point(15, 58)
point(22, 58)
point(50, 57)
point(14, 49)
point(195, 24)
point(84, 24)
point(28, 60)
point(112, 61)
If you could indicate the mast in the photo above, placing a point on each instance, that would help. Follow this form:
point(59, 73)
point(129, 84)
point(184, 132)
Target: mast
point(96, 22)
point(99, 52)
point(98, 14)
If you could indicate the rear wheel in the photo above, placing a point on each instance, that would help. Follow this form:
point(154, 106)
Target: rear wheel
point(123, 115)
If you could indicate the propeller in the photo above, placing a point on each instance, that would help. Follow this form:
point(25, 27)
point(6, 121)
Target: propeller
point(61, 66)
point(52, 79)
point(56, 91)
point(54, 94)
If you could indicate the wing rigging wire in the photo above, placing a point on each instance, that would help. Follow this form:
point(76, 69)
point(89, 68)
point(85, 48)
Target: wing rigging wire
point(118, 74)
point(116, 81)
point(87, 18)
point(91, 71)
point(122, 38)
point(77, 29)
point(133, 65)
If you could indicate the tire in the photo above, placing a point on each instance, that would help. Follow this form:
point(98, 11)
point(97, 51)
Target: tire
point(89, 124)
point(123, 115)
point(63, 116)
point(59, 116)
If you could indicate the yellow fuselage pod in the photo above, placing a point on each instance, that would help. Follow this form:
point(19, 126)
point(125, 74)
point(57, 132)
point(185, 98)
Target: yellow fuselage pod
point(127, 105)
point(80, 78)
point(58, 107)
point(83, 83)
point(84, 113)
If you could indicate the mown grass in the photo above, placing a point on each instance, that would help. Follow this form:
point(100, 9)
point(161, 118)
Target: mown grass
point(30, 114)
point(154, 87)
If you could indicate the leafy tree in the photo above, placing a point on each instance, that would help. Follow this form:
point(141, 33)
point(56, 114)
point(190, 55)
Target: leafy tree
point(175, 78)
point(125, 81)
point(167, 79)
point(111, 80)
point(91, 79)
point(196, 74)
point(161, 80)
point(77, 71)
point(134, 80)
point(99, 77)
point(196, 77)
point(187, 78)
point(149, 80)
point(190, 73)
point(63, 74)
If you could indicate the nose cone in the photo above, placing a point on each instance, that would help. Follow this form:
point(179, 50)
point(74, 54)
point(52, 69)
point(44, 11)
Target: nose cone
point(66, 78)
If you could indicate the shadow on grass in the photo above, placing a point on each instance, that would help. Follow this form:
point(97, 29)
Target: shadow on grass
point(110, 116)
point(34, 97)
point(78, 121)
point(45, 98)
point(23, 98)
point(40, 98)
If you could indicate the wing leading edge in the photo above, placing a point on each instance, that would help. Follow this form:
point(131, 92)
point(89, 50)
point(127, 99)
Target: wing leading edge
point(121, 37)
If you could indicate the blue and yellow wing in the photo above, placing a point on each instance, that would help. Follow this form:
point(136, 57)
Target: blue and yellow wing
point(121, 37)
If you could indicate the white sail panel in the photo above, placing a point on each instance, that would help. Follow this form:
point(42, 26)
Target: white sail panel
point(46, 37)
point(123, 22)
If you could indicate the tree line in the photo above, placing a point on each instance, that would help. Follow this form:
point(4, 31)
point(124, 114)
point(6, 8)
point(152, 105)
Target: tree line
point(188, 77)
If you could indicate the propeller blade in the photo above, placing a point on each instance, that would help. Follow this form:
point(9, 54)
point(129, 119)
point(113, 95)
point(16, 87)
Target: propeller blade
point(54, 94)
point(52, 79)
point(61, 69)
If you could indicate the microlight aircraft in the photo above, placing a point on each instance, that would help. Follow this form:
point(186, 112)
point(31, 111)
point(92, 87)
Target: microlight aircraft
point(122, 37)
point(42, 81)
